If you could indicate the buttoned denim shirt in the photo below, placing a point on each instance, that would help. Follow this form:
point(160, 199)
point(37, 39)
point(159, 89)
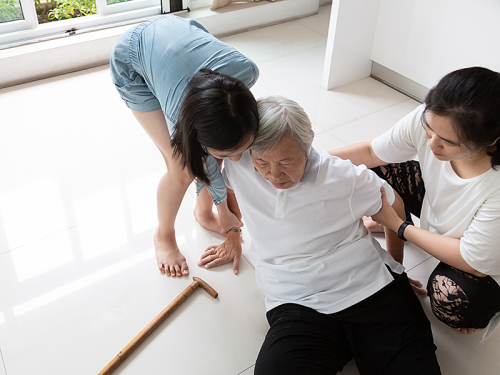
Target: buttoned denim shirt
point(152, 63)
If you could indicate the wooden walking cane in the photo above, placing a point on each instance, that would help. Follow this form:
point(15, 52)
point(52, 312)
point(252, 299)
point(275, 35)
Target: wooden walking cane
point(132, 345)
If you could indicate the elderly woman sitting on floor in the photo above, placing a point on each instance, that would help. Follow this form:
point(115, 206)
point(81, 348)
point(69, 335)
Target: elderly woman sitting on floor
point(331, 292)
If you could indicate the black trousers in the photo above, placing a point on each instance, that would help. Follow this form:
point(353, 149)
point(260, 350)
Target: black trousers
point(386, 334)
point(458, 299)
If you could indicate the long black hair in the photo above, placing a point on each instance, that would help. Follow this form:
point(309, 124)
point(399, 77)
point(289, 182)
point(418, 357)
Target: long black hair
point(219, 112)
point(470, 97)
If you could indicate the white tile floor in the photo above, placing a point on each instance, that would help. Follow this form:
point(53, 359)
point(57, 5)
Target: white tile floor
point(78, 177)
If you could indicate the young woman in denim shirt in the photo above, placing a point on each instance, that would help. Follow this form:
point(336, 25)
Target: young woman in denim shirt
point(190, 93)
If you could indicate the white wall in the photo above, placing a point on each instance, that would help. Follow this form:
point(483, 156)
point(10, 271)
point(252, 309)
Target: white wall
point(425, 39)
point(350, 40)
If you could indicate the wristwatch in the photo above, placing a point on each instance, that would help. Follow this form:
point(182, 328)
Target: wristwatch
point(401, 230)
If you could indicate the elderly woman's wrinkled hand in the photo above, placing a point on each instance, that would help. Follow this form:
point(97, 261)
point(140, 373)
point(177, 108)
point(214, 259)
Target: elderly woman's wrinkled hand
point(228, 251)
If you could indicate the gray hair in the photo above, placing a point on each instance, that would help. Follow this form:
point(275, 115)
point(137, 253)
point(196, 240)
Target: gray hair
point(280, 116)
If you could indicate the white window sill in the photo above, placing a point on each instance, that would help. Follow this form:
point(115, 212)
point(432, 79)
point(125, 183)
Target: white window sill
point(89, 49)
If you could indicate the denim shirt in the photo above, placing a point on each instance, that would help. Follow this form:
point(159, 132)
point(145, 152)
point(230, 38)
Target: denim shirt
point(217, 188)
point(153, 62)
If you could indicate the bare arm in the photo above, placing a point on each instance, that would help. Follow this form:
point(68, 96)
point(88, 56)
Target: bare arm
point(395, 246)
point(446, 249)
point(359, 153)
point(232, 204)
point(229, 250)
point(227, 219)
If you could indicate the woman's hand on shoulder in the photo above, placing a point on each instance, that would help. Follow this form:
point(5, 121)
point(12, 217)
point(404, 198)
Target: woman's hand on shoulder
point(387, 216)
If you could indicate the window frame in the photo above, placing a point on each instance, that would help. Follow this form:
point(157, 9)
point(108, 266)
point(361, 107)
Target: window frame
point(30, 20)
point(20, 32)
point(103, 9)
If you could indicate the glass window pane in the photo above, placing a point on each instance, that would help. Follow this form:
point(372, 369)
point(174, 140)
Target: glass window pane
point(52, 10)
point(10, 10)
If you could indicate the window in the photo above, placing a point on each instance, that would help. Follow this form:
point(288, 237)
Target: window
point(19, 23)
point(10, 10)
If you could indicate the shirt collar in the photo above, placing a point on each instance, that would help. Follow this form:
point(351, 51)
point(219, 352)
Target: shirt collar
point(311, 170)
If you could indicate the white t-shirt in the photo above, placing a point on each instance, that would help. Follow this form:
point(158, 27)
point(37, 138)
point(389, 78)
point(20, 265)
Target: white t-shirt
point(467, 209)
point(309, 245)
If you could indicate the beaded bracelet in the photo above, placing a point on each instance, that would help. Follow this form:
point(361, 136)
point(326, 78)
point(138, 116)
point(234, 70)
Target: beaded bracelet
point(235, 230)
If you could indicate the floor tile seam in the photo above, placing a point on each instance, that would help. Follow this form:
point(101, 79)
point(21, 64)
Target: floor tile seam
point(299, 21)
point(370, 114)
point(321, 132)
point(291, 53)
point(338, 139)
point(272, 48)
point(418, 264)
point(3, 362)
point(290, 23)
point(68, 228)
point(249, 367)
point(272, 91)
point(267, 89)
point(330, 148)
point(307, 27)
point(248, 260)
point(334, 136)
point(39, 239)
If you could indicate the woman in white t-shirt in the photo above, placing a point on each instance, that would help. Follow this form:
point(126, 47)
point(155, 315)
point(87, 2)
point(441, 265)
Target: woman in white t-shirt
point(454, 188)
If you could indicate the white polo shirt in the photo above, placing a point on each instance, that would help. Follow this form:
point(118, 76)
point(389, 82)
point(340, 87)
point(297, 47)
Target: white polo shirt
point(309, 245)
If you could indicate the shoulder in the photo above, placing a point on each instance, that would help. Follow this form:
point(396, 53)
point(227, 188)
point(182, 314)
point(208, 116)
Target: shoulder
point(333, 169)
point(356, 177)
point(244, 165)
point(402, 141)
point(494, 197)
point(334, 164)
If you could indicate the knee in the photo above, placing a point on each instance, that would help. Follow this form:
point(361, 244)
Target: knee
point(185, 178)
point(448, 300)
point(179, 177)
point(272, 362)
point(462, 300)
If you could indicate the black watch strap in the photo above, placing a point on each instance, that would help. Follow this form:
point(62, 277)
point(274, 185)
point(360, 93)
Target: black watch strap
point(401, 230)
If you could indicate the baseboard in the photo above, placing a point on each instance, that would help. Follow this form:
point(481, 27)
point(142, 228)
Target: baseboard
point(399, 82)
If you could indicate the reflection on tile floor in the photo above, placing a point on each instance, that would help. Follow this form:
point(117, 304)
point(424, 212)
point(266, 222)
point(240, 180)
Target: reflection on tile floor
point(78, 210)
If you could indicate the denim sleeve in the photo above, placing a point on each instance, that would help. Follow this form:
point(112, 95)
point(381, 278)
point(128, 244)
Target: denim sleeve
point(217, 188)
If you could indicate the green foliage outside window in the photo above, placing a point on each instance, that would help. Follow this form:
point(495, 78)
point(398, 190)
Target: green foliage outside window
point(10, 10)
point(51, 10)
point(39, 2)
point(72, 9)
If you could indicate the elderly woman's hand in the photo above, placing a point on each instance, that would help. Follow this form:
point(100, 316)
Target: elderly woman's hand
point(228, 251)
